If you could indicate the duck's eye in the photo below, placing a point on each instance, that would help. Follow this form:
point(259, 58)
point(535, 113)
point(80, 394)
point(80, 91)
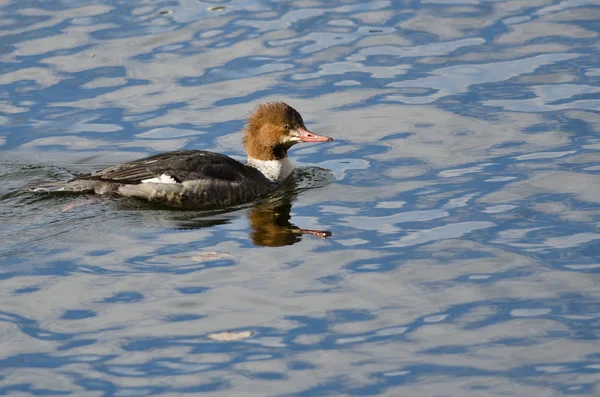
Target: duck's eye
point(286, 126)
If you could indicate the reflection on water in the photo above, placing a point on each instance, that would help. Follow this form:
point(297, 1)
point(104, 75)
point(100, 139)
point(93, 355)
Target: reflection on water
point(269, 218)
point(464, 206)
point(271, 227)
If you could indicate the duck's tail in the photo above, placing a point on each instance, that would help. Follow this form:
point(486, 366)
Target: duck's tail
point(48, 187)
point(73, 186)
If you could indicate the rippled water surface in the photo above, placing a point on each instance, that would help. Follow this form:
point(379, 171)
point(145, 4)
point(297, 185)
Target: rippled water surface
point(462, 193)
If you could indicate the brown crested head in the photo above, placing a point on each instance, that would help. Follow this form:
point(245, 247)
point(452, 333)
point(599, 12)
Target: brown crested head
point(272, 128)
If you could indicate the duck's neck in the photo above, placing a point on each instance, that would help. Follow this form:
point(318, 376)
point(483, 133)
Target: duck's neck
point(274, 170)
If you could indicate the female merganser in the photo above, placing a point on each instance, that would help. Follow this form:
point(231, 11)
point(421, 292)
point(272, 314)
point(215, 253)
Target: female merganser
point(197, 179)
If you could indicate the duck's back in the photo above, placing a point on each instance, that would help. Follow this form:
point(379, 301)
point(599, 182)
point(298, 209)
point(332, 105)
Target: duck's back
point(181, 166)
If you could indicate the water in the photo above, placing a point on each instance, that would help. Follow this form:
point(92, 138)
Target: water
point(462, 198)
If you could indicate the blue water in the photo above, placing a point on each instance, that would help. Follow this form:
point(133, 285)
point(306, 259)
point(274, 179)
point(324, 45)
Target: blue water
point(462, 197)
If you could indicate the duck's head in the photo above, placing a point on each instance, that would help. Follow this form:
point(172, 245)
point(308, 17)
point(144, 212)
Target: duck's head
point(272, 128)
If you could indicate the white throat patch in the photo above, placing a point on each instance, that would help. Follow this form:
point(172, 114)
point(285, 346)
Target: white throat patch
point(274, 170)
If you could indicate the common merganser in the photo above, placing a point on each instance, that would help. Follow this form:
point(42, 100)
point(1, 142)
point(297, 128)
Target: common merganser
point(198, 179)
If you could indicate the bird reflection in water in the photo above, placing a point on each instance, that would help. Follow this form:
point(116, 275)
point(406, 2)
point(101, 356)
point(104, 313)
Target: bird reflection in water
point(271, 227)
point(269, 219)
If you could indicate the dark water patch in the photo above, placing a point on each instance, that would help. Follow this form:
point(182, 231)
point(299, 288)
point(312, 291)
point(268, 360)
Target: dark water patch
point(183, 317)
point(124, 297)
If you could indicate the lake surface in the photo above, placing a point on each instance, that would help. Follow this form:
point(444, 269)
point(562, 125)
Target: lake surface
point(462, 193)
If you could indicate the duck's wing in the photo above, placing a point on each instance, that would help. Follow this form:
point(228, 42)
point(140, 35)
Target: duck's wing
point(175, 167)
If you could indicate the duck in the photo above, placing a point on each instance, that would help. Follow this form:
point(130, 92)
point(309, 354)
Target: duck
point(204, 180)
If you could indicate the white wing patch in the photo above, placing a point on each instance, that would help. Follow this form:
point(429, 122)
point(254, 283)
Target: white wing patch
point(164, 178)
